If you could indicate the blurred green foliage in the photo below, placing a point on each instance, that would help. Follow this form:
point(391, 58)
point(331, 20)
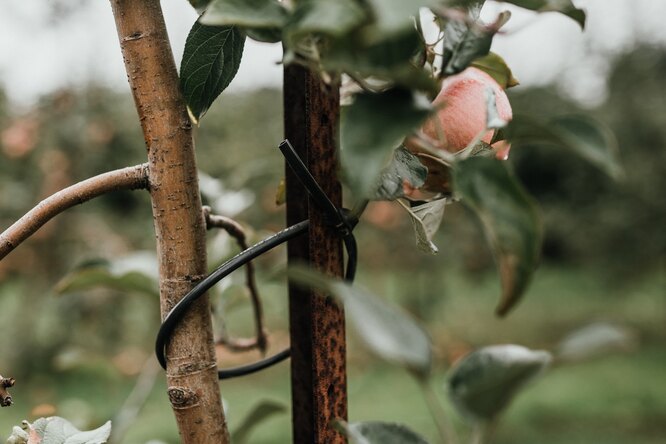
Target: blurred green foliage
point(89, 346)
point(591, 220)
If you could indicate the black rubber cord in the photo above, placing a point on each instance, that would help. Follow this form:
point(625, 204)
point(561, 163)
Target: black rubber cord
point(339, 218)
point(254, 367)
point(220, 273)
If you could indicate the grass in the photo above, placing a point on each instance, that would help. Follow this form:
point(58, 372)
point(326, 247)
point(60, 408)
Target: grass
point(616, 399)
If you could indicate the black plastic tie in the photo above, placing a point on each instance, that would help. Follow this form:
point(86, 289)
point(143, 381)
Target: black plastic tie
point(336, 217)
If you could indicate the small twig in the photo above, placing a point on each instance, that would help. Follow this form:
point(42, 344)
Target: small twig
point(5, 397)
point(236, 231)
point(482, 432)
point(477, 434)
point(135, 400)
point(444, 426)
point(131, 178)
point(238, 344)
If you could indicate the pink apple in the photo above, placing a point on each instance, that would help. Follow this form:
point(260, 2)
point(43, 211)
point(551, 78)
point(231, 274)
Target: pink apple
point(461, 111)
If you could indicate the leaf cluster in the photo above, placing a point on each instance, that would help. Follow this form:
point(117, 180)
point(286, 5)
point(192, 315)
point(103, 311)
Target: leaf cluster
point(382, 40)
point(381, 47)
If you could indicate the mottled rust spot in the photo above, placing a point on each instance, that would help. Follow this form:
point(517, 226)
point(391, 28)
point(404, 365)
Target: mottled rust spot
point(319, 381)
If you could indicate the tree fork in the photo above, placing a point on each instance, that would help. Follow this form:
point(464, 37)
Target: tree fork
point(317, 327)
point(193, 386)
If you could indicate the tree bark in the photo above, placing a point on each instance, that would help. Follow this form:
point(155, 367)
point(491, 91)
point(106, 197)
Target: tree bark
point(317, 327)
point(193, 387)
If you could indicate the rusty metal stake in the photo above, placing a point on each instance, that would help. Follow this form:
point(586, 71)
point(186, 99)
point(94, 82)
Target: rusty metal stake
point(317, 327)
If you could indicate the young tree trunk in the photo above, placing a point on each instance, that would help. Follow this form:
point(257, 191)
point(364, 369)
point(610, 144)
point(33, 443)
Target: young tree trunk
point(193, 387)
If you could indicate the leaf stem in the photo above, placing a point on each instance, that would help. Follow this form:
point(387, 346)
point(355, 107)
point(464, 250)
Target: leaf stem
point(135, 401)
point(439, 416)
point(482, 432)
point(477, 434)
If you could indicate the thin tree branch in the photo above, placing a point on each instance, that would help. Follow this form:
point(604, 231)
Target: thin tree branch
point(130, 178)
point(236, 231)
point(239, 345)
point(135, 401)
point(444, 426)
point(5, 397)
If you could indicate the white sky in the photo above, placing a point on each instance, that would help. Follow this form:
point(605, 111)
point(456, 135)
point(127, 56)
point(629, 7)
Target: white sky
point(38, 55)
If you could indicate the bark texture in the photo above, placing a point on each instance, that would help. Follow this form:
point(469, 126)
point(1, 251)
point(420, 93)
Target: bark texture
point(193, 386)
point(318, 359)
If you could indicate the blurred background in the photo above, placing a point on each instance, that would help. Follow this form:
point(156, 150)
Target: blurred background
point(77, 349)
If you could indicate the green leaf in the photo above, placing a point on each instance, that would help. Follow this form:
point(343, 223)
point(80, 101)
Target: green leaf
point(199, 5)
point(210, 62)
point(389, 59)
point(404, 167)
point(454, 32)
point(591, 140)
point(257, 415)
point(330, 17)
point(509, 218)
point(584, 136)
point(426, 219)
point(463, 44)
point(483, 383)
point(386, 330)
point(57, 430)
point(565, 7)
point(496, 67)
point(265, 35)
point(246, 13)
point(134, 273)
point(376, 432)
point(595, 340)
point(393, 16)
point(474, 44)
point(371, 128)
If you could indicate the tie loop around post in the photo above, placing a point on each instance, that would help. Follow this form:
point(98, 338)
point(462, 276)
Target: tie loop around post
point(336, 217)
